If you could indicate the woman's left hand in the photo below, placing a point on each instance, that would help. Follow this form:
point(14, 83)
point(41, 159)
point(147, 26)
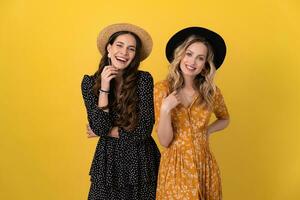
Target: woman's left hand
point(114, 132)
point(89, 131)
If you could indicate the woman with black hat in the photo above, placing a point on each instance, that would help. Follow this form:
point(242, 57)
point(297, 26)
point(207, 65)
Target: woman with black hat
point(183, 105)
point(119, 104)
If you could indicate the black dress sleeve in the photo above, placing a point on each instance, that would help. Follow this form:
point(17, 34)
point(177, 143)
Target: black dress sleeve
point(99, 120)
point(145, 123)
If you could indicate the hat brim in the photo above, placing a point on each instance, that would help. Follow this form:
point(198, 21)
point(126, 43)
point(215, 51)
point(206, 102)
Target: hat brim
point(215, 40)
point(108, 31)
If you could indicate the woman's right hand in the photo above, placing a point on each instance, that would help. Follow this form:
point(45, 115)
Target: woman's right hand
point(109, 72)
point(89, 131)
point(170, 102)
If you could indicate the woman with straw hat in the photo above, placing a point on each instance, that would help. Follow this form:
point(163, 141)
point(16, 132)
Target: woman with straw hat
point(119, 103)
point(184, 103)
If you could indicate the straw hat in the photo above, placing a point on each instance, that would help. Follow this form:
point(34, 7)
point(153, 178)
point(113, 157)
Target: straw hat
point(215, 40)
point(108, 31)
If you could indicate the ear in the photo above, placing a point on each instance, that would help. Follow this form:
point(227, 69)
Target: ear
point(108, 48)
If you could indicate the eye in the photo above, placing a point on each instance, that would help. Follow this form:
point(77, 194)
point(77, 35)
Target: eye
point(188, 54)
point(119, 45)
point(132, 49)
point(201, 58)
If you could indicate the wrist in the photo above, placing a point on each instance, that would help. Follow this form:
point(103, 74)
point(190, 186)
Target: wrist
point(103, 91)
point(165, 109)
point(105, 86)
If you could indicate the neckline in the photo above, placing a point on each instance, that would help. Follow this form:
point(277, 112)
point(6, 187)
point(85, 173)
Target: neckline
point(195, 97)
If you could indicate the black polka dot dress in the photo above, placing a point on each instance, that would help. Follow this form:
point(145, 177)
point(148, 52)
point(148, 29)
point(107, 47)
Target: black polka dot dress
point(123, 168)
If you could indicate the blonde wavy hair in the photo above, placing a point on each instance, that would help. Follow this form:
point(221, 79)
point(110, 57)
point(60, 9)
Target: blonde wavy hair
point(203, 81)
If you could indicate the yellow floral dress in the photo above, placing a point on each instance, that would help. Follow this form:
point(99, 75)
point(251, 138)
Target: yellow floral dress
point(188, 170)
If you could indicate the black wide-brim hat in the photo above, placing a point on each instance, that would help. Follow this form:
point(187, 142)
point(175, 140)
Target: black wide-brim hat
point(214, 39)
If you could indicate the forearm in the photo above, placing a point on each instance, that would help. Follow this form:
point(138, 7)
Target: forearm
point(99, 121)
point(165, 129)
point(217, 125)
point(103, 101)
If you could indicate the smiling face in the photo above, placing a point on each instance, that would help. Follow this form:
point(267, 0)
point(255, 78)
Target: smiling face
point(194, 59)
point(122, 51)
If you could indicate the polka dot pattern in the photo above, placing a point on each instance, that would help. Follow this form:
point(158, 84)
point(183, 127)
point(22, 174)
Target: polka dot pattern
point(125, 167)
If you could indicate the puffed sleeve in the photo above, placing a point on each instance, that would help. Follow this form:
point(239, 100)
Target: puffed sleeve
point(220, 109)
point(160, 89)
point(99, 120)
point(145, 122)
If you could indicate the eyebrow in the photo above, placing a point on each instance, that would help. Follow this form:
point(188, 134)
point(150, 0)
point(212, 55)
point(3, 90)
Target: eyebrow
point(194, 52)
point(124, 44)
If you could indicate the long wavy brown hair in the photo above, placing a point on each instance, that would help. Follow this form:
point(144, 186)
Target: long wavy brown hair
point(125, 104)
point(203, 81)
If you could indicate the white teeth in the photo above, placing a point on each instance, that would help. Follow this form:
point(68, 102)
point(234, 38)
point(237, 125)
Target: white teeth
point(121, 59)
point(190, 68)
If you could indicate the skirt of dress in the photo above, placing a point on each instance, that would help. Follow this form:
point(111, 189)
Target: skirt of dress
point(130, 192)
point(124, 171)
point(188, 171)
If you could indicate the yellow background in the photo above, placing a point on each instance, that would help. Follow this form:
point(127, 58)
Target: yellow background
point(47, 46)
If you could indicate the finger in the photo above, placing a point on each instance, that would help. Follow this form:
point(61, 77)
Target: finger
point(110, 72)
point(113, 67)
point(91, 132)
point(110, 67)
point(107, 67)
point(174, 92)
point(113, 73)
point(91, 135)
point(88, 129)
point(106, 72)
point(178, 98)
point(164, 95)
point(111, 77)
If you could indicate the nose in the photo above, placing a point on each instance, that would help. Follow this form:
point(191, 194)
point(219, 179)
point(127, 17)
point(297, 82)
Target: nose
point(124, 51)
point(192, 61)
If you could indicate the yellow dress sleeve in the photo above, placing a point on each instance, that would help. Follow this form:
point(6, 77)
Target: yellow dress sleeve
point(160, 89)
point(220, 109)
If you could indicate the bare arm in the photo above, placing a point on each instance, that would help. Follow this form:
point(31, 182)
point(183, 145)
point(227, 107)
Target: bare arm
point(217, 125)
